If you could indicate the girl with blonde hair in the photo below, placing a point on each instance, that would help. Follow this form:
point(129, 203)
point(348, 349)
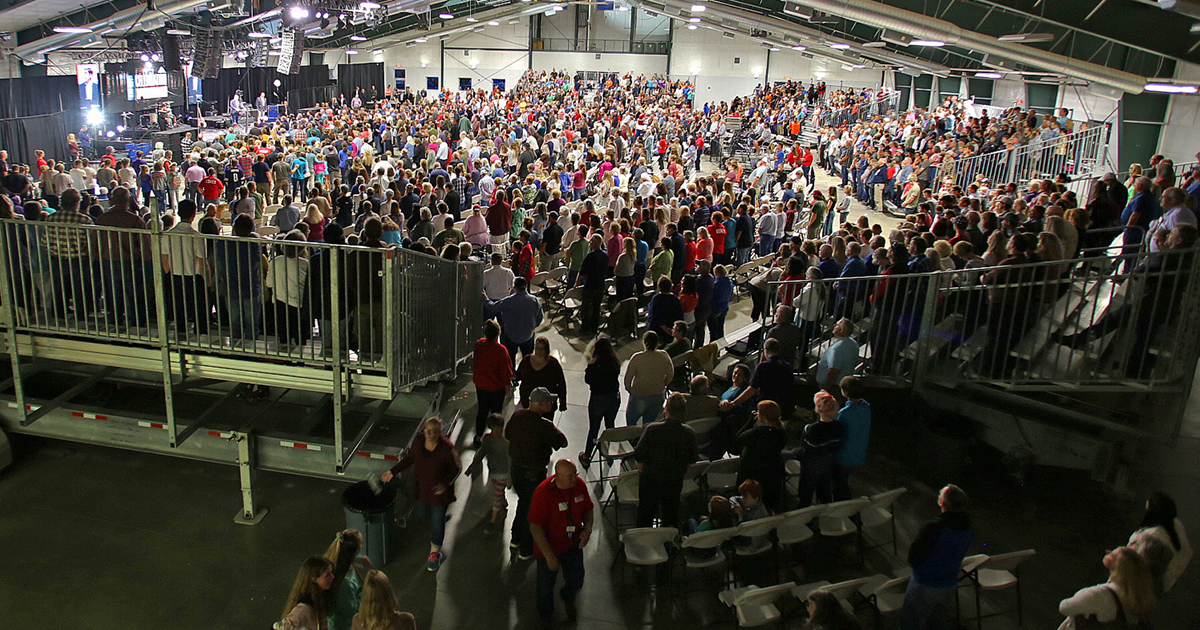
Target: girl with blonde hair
point(1127, 596)
point(378, 608)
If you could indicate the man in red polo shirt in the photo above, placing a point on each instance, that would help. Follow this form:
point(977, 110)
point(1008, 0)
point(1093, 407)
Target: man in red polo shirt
point(493, 373)
point(560, 520)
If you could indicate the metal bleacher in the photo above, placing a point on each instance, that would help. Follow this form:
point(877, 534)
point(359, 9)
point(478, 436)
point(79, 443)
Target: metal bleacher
point(107, 347)
point(1081, 340)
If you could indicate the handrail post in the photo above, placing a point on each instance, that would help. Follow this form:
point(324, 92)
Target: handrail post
point(925, 336)
point(10, 333)
point(160, 313)
point(341, 389)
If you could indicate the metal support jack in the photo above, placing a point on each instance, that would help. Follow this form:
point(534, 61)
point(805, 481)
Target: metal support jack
point(245, 462)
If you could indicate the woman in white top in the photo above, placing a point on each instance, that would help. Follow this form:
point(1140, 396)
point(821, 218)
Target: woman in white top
point(1162, 531)
point(287, 277)
point(810, 305)
point(1128, 593)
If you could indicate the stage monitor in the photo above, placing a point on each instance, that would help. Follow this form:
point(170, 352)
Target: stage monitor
point(88, 77)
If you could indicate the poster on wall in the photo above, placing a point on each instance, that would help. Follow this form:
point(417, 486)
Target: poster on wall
point(87, 75)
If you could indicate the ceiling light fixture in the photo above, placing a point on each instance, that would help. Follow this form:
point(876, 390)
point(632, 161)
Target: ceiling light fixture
point(446, 16)
point(989, 75)
point(368, 6)
point(692, 27)
point(727, 35)
point(874, 45)
point(837, 46)
point(1027, 38)
point(694, 20)
point(698, 8)
point(493, 23)
point(471, 19)
point(72, 29)
point(258, 35)
point(351, 52)
point(298, 13)
point(933, 43)
point(421, 40)
point(799, 48)
point(358, 38)
point(1171, 88)
point(178, 31)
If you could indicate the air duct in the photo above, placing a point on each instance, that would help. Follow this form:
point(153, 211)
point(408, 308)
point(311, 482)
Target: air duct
point(921, 26)
point(119, 20)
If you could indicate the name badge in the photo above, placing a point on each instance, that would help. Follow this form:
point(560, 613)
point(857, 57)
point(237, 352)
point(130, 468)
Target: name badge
point(562, 507)
point(579, 499)
point(570, 531)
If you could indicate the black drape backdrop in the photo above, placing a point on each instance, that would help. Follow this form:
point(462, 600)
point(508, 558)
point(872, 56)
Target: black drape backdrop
point(251, 81)
point(360, 75)
point(309, 97)
point(34, 96)
point(20, 136)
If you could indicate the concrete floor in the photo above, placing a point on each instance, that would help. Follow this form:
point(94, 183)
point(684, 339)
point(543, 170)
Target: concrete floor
point(103, 538)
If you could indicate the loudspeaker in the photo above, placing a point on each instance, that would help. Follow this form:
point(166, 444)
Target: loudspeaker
point(171, 60)
point(292, 51)
point(207, 56)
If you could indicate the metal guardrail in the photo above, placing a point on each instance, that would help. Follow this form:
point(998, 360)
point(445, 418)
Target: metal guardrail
point(244, 297)
point(857, 112)
point(1104, 323)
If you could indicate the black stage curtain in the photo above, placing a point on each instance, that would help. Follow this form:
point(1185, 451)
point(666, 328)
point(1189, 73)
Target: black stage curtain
point(251, 81)
point(21, 136)
point(34, 96)
point(363, 76)
point(309, 97)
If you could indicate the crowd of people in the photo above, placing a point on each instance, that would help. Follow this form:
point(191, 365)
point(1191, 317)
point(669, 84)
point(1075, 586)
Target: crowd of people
point(607, 182)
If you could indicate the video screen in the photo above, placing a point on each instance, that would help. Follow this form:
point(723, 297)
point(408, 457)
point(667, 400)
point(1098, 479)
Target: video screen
point(87, 75)
point(146, 85)
point(194, 92)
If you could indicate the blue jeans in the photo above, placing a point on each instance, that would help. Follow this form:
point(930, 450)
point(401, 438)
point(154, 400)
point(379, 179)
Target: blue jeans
point(570, 562)
point(601, 408)
point(926, 607)
point(643, 409)
point(436, 515)
point(244, 314)
point(526, 347)
point(743, 255)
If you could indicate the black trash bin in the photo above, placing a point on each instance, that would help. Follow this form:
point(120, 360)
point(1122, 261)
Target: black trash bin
point(373, 515)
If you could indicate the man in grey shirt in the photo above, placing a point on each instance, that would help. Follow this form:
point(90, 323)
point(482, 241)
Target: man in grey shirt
point(287, 216)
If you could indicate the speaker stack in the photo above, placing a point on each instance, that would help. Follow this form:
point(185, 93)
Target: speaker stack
point(291, 52)
point(171, 60)
point(207, 58)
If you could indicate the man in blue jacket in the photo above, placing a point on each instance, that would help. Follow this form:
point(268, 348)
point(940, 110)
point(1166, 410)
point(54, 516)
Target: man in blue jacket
point(936, 558)
point(855, 417)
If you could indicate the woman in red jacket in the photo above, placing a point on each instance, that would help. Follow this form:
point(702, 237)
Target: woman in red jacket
point(435, 464)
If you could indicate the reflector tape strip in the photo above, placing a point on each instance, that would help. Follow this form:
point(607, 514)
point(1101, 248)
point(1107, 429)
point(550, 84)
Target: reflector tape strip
point(390, 458)
point(300, 445)
point(151, 425)
point(27, 407)
point(221, 434)
point(89, 416)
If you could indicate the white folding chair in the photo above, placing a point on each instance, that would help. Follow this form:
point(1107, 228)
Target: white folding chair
point(758, 535)
point(842, 590)
point(756, 606)
point(691, 478)
point(792, 468)
point(886, 595)
point(624, 492)
point(997, 573)
point(794, 529)
point(835, 521)
point(878, 512)
point(647, 547)
point(614, 445)
point(712, 539)
point(702, 427)
point(721, 475)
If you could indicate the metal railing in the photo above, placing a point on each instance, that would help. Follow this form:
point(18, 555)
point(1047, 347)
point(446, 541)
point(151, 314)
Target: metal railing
point(1075, 154)
point(857, 112)
point(388, 311)
point(1105, 323)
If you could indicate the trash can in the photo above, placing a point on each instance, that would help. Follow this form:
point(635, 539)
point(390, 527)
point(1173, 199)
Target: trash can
point(373, 515)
